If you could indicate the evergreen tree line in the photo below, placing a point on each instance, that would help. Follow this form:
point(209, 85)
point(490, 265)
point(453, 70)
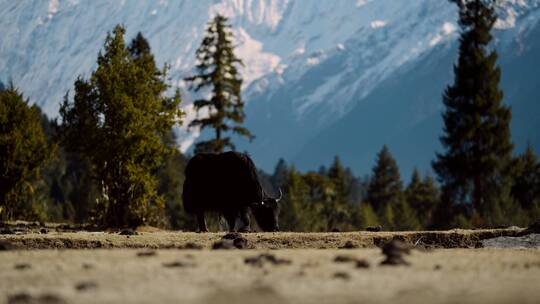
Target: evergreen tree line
point(333, 199)
point(112, 157)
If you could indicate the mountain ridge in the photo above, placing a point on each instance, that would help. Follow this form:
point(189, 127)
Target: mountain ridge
point(309, 64)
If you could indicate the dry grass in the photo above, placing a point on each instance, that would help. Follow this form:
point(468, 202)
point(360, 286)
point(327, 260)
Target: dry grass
point(281, 240)
point(138, 269)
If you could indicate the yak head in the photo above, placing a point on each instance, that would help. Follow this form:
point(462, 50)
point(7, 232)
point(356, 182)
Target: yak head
point(266, 213)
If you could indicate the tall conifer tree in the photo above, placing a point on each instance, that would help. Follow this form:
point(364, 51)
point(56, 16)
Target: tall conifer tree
point(476, 135)
point(118, 120)
point(23, 150)
point(385, 185)
point(526, 188)
point(422, 196)
point(218, 73)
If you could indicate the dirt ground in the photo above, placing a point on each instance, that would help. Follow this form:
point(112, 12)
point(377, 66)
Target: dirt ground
point(53, 264)
point(292, 276)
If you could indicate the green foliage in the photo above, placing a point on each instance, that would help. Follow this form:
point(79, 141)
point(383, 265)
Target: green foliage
point(461, 221)
point(67, 189)
point(299, 212)
point(314, 201)
point(366, 217)
point(385, 185)
point(170, 180)
point(526, 187)
point(117, 121)
point(423, 197)
point(476, 123)
point(339, 208)
point(384, 191)
point(23, 150)
point(404, 217)
point(217, 68)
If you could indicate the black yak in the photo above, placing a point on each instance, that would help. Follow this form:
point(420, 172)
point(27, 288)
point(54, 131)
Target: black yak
point(227, 183)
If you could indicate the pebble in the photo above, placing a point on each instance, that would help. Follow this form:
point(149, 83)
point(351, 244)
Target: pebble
point(84, 286)
point(264, 258)
point(147, 253)
point(342, 275)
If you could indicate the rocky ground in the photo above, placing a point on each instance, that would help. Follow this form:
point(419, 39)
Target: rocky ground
point(26, 235)
point(263, 268)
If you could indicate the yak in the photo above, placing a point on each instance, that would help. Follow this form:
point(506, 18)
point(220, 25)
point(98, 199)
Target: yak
point(227, 183)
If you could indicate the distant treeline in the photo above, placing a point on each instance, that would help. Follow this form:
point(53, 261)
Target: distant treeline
point(112, 158)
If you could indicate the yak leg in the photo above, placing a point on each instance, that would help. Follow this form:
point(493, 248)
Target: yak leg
point(231, 220)
point(244, 218)
point(202, 222)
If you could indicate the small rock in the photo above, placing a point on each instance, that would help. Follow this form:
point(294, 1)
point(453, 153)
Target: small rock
point(396, 248)
point(264, 258)
point(50, 299)
point(22, 266)
point(344, 259)
point(20, 298)
point(395, 261)
point(84, 286)
point(240, 243)
point(191, 245)
point(231, 236)
point(147, 253)
point(223, 244)
point(394, 251)
point(128, 232)
point(362, 264)
point(7, 231)
point(6, 245)
point(349, 245)
point(87, 266)
point(342, 275)
point(374, 228)
point(178, 264)
point(25, 298)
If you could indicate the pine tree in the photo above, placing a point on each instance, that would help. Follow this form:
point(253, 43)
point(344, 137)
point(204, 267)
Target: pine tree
point(423, 197)
point(526, 188)
point(476, 123)
point(301, 206)
point(217, 69)
point(339, 176)
point(118, 120)
point(281, 172)
point(385, 186)
point(341, 180)
point(23, 150)
point(367, 217)
point(170, 178)
point(404, 216)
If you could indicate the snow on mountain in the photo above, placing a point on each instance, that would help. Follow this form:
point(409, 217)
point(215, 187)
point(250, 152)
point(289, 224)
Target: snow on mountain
point(307, 63)
point(46, 44)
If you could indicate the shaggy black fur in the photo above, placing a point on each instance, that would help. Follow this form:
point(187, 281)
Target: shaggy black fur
point(227, 183)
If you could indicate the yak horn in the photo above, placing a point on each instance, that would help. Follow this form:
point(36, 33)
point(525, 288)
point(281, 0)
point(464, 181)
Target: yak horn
point(280, 195)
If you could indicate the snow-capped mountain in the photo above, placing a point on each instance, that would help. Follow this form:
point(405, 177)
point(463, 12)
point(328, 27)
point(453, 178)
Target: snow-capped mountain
point(321, 77)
